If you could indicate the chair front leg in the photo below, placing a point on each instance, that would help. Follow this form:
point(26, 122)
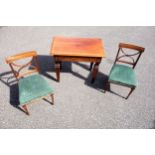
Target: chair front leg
point(52, 97)
point(26, 109)
point(132, 89)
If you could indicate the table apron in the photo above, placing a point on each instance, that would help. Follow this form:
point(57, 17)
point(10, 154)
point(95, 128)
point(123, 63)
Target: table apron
point(77, 59)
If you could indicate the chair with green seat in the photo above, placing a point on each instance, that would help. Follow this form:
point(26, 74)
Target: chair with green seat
point(122, 72)
point(30, 83)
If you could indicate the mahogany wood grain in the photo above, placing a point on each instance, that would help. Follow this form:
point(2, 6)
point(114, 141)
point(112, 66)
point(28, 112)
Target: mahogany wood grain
point(133, 57)
point(131, 46)
point(20, 56)
point(84, 47)
point(12, 59)
point(77, 59)
point(77, 50)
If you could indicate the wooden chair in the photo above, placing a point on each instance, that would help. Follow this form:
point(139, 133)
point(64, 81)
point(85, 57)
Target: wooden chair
point(122, 72)
point(30, 83)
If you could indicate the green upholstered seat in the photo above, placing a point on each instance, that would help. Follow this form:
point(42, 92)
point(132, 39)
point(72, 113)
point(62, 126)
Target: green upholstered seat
point(33, 87)
point(123, 75)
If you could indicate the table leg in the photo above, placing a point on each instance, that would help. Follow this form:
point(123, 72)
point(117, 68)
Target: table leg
point(60, 65)
point(57, 70)
point(91, 65)
point(95, 71)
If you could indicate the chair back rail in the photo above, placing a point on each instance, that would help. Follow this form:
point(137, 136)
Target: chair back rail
point(12, 59)
point(121, 54)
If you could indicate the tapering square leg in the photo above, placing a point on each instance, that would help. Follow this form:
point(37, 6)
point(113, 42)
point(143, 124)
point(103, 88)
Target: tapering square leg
point(57, 69)
point(95, 71)
point(26, 109)
point(91, 66)
point(52, 98)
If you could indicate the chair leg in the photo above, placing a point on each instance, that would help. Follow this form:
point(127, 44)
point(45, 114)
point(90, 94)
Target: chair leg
point(132, 89)
point(26, 109)
point(52, 97)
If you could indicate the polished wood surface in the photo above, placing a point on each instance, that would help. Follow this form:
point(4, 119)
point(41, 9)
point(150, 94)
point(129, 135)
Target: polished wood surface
point(131, 46)
point(77, 59)
point(84, 47)
point(17, 68)
point(77, 50)
point(21, 56)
